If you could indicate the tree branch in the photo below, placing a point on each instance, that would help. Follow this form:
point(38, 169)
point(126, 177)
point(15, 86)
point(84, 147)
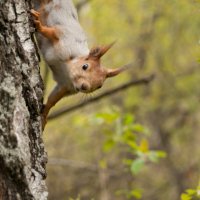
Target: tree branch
point(131, 83)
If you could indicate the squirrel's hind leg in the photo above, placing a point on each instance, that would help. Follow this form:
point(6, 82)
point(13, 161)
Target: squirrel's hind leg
point(57, 94)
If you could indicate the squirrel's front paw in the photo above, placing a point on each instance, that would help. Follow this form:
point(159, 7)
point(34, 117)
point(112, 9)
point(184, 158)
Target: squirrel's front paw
point(35, 13)
point(37, 21)
point(38, 25)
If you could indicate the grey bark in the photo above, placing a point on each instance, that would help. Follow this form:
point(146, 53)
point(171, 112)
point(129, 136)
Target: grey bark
point(22, 154)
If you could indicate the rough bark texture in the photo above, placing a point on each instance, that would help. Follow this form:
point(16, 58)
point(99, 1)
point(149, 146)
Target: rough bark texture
point(22, 155)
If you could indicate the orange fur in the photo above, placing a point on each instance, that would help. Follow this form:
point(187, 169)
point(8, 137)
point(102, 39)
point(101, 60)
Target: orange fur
point(56, 95)
point(49, 32)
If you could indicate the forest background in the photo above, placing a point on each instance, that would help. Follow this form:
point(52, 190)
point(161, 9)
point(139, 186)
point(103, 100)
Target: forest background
point(142, 142)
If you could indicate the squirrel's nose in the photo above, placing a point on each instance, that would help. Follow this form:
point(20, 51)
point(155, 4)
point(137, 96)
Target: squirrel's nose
point(84, 87)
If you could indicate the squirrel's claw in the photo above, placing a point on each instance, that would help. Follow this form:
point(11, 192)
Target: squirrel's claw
point(35, 13)
point(37, 21)
point(38, 25)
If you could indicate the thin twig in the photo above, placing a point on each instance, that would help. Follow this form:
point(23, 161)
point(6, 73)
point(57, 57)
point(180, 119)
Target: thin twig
point(62, 111)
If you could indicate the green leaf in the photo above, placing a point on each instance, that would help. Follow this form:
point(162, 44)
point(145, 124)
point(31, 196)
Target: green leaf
point(191, 192)
point(107, 117)
point(185, 197)
point(153, 157)
point(135, 193)
point(129, 119)
point(144, 146)
point(132, 144)
point(137, 165)
point(108, 145)
point(161, 154)
point(128, 136)
point(138, 128)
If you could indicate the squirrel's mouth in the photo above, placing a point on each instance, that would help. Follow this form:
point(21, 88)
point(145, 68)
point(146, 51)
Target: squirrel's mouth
point(84, 88)
point(82, 91)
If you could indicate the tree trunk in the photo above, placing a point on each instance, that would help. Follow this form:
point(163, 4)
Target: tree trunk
point(22, 155)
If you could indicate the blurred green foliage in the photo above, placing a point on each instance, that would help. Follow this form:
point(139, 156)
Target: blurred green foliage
point(191, 194)
point(108, 150)
point(121, 129)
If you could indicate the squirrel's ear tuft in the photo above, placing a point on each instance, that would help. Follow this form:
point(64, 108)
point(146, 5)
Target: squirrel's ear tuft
point(115, 72)
point(98, 52)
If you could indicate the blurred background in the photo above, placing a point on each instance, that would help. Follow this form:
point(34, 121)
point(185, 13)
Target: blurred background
point(141, 142)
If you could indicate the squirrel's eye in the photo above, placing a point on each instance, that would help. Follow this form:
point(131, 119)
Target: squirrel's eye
point(85, 66)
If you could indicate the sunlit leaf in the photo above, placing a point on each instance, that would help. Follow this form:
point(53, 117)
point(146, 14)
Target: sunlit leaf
point(107, 117)
point(128, 119)
point(191, 192)
point(132, 144)
point(161, 154)
point(185, 197)
point(153, 157)
point(108, 145)
point(144, 146)
point(128, 136)
point(137, 165)
point(135, 193)
point(138, 128)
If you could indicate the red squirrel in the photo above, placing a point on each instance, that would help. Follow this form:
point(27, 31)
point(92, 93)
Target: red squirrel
point(63, 44)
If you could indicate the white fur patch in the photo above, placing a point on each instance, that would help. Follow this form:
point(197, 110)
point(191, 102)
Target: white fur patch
point(75, 60)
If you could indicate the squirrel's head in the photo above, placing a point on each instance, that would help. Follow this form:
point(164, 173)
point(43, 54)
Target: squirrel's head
point(87, 73)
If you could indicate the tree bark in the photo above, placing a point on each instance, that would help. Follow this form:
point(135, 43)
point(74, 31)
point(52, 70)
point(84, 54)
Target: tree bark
point(22, 154)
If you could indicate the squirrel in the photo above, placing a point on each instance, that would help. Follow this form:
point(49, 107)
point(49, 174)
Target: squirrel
point(64, 47)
